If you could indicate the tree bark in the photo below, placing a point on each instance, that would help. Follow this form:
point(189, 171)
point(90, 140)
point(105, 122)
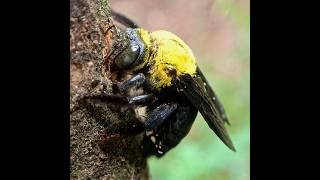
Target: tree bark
point(96, 150)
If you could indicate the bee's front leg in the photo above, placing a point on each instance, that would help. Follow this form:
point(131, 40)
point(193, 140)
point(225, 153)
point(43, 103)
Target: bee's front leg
point(121, 98)
point(137, 80)
point(142, 100)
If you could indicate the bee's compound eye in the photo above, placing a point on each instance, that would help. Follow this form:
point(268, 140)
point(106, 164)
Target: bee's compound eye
point(128, 56)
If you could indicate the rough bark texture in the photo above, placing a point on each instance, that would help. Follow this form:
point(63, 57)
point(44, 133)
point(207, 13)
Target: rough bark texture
point(96, 152)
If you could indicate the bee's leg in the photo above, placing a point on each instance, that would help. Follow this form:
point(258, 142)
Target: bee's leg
point(135, 81)
point(158, 115)
point(142, 100)
point(100, 98)
point(171, 132)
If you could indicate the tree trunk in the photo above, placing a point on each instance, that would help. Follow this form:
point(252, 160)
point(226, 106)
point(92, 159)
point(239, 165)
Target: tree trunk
point(97, 151)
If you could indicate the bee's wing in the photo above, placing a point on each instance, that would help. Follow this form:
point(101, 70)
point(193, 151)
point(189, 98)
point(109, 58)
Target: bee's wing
point(213, 97)
point(199, 95)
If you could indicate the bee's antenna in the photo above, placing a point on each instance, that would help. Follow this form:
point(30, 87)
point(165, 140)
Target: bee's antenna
point(123, 19)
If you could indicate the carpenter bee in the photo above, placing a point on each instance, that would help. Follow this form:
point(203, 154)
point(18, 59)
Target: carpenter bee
point(175, 88)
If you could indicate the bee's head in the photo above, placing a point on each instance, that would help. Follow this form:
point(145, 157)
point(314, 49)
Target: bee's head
point(132, 54)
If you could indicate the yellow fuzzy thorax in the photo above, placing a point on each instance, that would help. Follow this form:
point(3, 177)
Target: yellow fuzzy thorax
point(164, 52)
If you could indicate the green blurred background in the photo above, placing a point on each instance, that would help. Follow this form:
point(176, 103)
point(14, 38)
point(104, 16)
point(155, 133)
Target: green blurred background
point(218, 32)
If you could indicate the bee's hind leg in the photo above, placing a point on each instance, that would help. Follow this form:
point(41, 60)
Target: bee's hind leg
point(158, 115)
